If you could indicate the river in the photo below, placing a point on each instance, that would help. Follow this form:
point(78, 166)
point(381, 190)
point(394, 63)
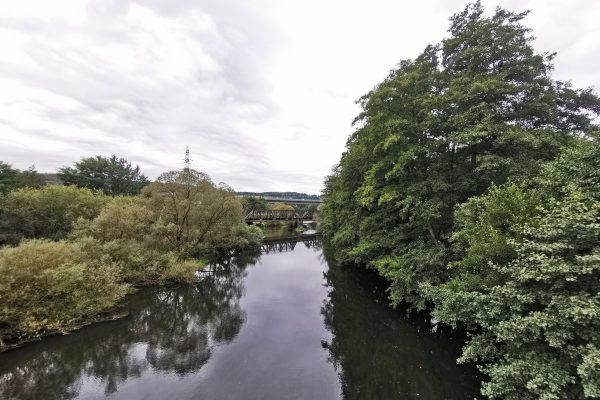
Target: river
point(283, 324)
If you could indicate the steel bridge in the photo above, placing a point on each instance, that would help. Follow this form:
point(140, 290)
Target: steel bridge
point(279, 215)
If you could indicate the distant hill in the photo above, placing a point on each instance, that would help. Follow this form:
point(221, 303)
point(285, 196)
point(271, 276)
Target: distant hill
point(281, 195)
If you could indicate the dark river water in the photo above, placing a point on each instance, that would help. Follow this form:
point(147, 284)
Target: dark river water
point(281, 325)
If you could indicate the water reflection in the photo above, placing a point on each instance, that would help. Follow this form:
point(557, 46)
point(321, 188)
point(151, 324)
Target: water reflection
point(290, 327)
point(289, 244)
point(171, 330)
point(381, 353)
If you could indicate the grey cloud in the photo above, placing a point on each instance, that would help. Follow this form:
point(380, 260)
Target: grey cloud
point(200, 112)
point(146, 78)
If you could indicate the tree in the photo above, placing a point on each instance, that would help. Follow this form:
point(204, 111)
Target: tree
point(282, 207)
point(193, 214)
point(114, 176)
point(9, 177)
point(471, 184)
point(539, 324)
point(251, 203)
point(12, 178)
point(527, 281)
point(51, 286)
point(474, 110)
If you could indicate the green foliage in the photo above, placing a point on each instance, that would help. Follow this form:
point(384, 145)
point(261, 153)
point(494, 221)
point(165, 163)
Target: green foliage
point(449, 190)
point(140, 264)
point(193, 216)
point(50, 286)
point(576, 167)
point(254, 204)
point(8, 177)
point(470, 112)
point(541, 326)
point(12, 178)
point(281, 195)
point(122, 234)
point(244, 236)
point(46, 212)
point(531, 288)
point(157, 237)
point(114, 242)
point(114, 176)
point(282, 207)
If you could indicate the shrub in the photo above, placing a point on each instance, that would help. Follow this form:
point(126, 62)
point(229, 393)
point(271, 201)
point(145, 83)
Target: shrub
point(139, 264)
point(122, 218)
point(47, 286)
point(46, 212)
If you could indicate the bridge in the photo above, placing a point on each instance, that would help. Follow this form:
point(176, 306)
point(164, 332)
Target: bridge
point(279, 215)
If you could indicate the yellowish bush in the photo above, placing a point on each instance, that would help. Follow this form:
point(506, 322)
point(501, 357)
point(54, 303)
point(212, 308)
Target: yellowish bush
point(46, 286)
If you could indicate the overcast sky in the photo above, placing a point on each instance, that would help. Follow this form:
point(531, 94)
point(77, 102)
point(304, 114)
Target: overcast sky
point(263, 92)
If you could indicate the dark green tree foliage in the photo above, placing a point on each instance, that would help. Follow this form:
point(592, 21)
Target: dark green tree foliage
point(469, 112)
point(114, 176)
point(8, 177)
point(472, 183)
point(12, 178)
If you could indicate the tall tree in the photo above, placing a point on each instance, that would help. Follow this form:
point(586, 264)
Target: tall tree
point(193, 213)
point(469, 112)
point(12, 178)
point(114, 176)
point(9, 177)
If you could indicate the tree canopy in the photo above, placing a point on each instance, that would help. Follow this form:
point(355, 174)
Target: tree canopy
point(114, 176)
point(12, 178)
point(477, 120)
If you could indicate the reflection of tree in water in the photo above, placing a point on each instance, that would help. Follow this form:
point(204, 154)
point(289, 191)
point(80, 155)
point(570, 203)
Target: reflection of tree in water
point(171, 330)
point(379, 353)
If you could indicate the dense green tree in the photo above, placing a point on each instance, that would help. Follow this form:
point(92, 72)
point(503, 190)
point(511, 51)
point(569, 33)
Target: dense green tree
point(541, 326)
point(114, 176)
point(8, 177)
point(251, 203)
point(470, 112)
point(281, 207)
point(527, 281)
point(12, 178)
point(451, 189)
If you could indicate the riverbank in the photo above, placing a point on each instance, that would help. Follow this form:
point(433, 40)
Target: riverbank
point(77, 253)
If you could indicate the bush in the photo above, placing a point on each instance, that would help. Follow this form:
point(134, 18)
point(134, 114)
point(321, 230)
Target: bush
point(139, 264)
point(50, 286)
point(47, 212)
point(122, 218)
point(124, 233)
